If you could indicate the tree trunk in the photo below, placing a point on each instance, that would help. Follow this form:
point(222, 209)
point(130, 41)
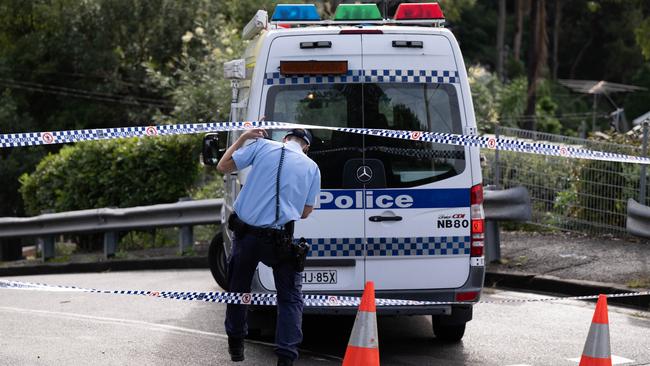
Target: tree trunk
point(501, 30)
point(538, 51)
point(576, 62)
point(556, 37)
point(520, 10)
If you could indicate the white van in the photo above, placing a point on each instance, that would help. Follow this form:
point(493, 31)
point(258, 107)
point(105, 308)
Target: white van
point(405, 214)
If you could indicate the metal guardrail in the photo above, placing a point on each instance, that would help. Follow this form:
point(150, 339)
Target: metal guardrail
point(511, 204)
point(638, 219)
point(184, 214)
point(499, 205)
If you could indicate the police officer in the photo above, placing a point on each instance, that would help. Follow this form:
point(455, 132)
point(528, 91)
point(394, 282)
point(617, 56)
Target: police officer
point(259, 215)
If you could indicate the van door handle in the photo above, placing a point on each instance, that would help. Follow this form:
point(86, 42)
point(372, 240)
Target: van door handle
point(385, 218)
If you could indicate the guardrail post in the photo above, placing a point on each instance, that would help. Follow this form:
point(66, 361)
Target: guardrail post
point(47, 247)
point(642, 184)
point(638, 219)
point(492, 241)
point(186, 234)
point(497, 169)
point(511, 204)
point(185, 238)
point(110, 244)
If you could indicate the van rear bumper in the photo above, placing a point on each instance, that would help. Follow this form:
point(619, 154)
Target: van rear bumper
point(451, 312)
point(417, 295)
point(383, 310)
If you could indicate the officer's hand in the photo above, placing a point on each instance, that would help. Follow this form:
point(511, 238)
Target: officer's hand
point(254, 133)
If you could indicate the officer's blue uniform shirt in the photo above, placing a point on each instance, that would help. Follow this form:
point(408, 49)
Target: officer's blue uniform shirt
point(299, 182)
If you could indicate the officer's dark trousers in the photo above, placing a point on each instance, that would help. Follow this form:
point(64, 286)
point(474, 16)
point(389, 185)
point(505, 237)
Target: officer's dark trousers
point(247, 251)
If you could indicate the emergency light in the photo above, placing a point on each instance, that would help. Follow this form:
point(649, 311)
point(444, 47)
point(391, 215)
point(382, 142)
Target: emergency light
point(357, 12)
point(313, 67)
point(416, 11)
point(295, 12)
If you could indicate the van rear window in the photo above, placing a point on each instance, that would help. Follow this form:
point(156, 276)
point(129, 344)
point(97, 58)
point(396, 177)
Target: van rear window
point(396, 106)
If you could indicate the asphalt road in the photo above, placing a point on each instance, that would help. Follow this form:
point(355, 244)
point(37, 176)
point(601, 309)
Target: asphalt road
point(63, 328)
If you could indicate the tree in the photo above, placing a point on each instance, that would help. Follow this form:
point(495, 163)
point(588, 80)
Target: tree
point(522, 7)
point(536, 59)
point(501, 33)
point(556, 37)
point(77, 64)
point(642, 34)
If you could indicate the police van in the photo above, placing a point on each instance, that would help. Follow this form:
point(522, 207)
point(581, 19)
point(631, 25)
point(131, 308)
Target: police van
point(405, 214)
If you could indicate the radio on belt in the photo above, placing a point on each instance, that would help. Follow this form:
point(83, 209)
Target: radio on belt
point(407, 215)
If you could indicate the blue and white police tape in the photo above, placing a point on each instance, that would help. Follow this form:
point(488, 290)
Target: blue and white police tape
point(505, 144)
point(270, 299)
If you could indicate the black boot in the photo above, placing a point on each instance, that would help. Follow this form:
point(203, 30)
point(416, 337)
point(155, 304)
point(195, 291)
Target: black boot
point(284, 361)
point(236, 349)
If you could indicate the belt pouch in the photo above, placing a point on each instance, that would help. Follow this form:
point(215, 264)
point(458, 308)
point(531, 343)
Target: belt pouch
point(236, 225)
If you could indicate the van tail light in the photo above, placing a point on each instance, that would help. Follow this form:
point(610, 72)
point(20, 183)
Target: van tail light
point(466, 296)
point(478, 221)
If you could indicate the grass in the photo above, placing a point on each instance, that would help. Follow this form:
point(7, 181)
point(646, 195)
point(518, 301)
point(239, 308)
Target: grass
point(59, 259)
point(639, 283)
point(121, 254)
point(513, 262)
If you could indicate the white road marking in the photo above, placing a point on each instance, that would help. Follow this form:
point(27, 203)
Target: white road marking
point(105, 320)
point(616, 360)
point(153, 326)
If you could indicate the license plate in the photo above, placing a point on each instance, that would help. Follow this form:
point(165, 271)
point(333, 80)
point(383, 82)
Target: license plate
point(319, 276)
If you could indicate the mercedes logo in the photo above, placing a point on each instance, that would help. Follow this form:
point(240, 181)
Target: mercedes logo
point(364, 174)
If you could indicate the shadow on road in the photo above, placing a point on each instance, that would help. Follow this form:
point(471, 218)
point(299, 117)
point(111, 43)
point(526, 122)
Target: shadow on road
point(406, 340)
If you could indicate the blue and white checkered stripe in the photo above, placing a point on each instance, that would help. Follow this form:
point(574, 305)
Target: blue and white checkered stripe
point(368, 76)
point(506, 144)
point(389, 247)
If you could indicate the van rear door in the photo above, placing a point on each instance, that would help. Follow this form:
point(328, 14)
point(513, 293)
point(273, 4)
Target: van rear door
point(417, 216)
point(335, 229)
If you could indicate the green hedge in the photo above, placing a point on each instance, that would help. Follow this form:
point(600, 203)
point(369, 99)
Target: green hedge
point(115, 173)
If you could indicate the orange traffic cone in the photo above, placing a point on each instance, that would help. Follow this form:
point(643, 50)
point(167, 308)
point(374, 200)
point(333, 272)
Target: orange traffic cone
point(597, 350)
point(363, 347)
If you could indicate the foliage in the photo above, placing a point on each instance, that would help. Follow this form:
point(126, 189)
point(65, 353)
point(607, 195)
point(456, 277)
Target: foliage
point(121, 173)
point(77, 64)
point(475, 29)
point(68, 64)
point(211, 185)
point(574, 194)
point(147, 239)
point(542, 175)
point(194, 80)
point(503, 104)
point(486, 89)
point(638, 103)
point(643, 37)
point(196, 84)
point(16, 161)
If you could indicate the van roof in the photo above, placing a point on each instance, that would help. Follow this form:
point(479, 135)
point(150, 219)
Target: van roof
point(335, 29)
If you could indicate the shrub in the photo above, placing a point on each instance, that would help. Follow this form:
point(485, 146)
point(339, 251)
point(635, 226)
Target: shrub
point(115, 173)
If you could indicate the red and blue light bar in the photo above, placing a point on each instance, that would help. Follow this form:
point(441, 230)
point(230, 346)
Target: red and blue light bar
point(358, 12)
